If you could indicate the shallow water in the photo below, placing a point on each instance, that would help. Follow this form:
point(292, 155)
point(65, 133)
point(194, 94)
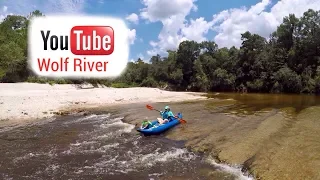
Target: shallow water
point(273, 136)
point(257, 102)
point(100, 146)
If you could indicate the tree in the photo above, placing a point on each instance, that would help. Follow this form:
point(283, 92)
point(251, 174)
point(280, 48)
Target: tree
point(289, 61)
point(187, 53)
point(13, 48)
point(199, 80)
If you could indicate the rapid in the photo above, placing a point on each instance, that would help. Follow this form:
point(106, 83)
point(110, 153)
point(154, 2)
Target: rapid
point(100, 146)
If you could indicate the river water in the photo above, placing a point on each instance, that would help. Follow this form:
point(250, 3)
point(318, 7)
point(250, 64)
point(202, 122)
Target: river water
point(273, 136)
point(100, 146)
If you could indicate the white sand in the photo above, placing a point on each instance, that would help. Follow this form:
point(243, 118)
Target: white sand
point(30, 101)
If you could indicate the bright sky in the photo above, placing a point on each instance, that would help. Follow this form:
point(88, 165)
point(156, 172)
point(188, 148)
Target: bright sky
point(159, 25)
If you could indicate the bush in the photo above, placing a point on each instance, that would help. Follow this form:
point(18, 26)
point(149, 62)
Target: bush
point(34, 79)
point(106, 83)
point(120, 85)
point(60, 81)
point(51, 83)
point(289, 80)
point(162, 84)
point(149, 82)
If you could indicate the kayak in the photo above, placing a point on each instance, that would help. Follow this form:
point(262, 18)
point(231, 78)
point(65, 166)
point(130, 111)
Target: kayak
point(156, 128)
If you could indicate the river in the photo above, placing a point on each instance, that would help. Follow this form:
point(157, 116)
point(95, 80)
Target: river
point(225, 137)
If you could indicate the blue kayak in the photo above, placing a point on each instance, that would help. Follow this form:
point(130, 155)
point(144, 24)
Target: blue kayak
point(156, 128)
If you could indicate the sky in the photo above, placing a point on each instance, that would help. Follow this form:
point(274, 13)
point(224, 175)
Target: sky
point(156, 26)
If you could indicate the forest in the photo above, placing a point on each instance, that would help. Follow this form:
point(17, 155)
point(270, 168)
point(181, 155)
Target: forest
point(288, 61)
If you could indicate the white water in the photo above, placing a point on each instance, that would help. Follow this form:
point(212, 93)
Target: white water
point(138, 159)
point(232, 169)
point(122, 151)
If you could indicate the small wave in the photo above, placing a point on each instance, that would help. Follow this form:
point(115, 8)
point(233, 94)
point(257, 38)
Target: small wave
point(235, 170)
point(83, 143)
point(137, 161)
point(123, 127)
point(105, 136)
point(155, 174)
point(79, 171)
point(175, 153)
point(88, 147)
point(111, 164)
point(92, 117)
point(110, 146)
point(101, 135)
point(52, 168)
point(27, 156)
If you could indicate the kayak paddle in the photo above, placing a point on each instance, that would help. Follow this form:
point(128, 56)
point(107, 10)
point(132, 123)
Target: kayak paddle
point(151, 108)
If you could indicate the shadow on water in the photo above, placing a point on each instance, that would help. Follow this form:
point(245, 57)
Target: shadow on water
point(99, 146)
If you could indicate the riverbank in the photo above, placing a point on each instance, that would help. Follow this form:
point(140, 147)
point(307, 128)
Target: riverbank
point(25, 101)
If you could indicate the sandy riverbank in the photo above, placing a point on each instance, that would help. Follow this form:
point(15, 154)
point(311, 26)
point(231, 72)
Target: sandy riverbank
point(30, 101)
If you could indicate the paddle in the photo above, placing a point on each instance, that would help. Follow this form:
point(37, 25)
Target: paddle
point(151, 108)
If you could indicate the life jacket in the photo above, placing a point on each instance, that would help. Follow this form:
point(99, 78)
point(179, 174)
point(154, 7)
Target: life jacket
point(146, 124)
point(165, 115)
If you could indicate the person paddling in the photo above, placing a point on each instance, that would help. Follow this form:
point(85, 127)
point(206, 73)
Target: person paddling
point(165, 115)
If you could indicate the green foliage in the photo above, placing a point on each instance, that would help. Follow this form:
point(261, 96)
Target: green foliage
point(60, 81)
point(223, 81)
point(149, 82)
point(255, 85)
point(43, 80)
point(122, 85)
point(51, 83)
point(289, 80)
point(40, 80)
point(288, 62)
point(199, 80)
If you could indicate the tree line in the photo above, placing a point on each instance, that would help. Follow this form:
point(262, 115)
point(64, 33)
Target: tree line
point(286, 62)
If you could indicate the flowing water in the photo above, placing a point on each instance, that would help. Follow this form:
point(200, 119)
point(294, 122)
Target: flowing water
point(271, 136)
point(99, 146)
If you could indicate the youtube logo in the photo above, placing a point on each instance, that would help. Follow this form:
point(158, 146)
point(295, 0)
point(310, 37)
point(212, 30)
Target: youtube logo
point(84, 40)
point(73, 46)
point(92, 40)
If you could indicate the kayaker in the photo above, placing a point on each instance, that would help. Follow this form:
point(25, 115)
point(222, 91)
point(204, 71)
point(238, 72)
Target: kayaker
point(145, 124)
point(165, 115)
